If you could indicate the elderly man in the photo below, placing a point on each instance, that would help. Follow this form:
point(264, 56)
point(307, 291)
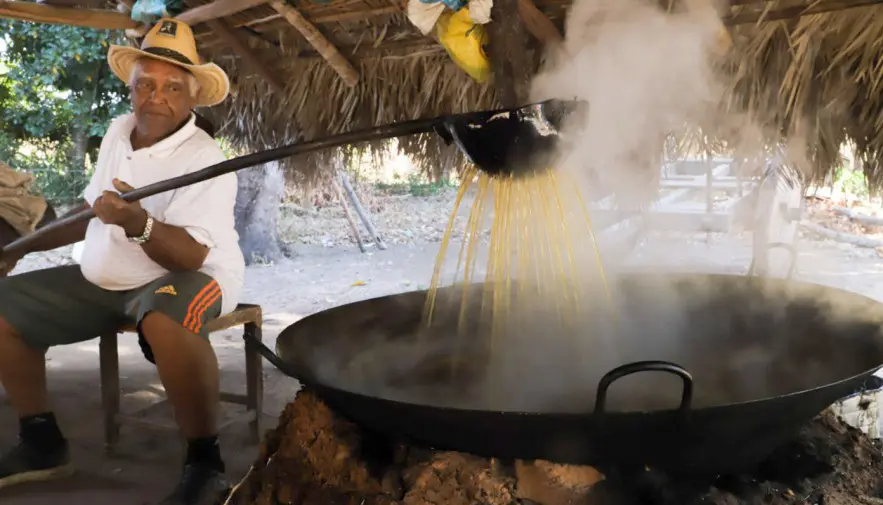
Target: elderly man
point(169, 264)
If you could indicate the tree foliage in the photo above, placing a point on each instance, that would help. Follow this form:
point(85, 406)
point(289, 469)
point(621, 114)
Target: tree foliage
point(57, 96)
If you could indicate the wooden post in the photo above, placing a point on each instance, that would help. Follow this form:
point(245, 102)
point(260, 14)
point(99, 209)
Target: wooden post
point(363, 215)
point(511, 60)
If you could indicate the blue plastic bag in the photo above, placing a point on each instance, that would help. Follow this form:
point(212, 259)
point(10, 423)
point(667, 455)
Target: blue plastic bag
point(454, 5)
point(151, 11)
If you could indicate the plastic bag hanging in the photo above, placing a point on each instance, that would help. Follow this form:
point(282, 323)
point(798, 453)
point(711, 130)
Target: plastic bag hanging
point(151, 11)
point(480, 11)
point(465, 43)
point(424, 13)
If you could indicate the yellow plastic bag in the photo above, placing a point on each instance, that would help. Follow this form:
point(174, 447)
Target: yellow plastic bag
point(464, 41)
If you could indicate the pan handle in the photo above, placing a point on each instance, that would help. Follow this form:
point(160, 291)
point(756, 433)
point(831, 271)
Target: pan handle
point(288, 369)
point(644, 366)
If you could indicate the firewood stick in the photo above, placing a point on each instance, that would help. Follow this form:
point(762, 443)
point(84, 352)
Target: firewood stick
point(858, 216)
point(848, 238)
point(363, 215)
point(349, 217)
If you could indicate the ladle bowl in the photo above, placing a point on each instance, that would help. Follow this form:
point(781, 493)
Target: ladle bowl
point(513, 142)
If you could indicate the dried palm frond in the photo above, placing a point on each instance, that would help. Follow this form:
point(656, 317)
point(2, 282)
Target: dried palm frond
point(810, 83)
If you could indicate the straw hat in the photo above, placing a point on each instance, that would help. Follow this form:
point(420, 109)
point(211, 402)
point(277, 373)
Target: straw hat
point(172, 41)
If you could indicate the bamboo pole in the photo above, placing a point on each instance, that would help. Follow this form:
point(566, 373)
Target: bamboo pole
point(323, 46)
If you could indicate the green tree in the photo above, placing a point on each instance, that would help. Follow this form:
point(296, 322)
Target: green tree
point(57, 96)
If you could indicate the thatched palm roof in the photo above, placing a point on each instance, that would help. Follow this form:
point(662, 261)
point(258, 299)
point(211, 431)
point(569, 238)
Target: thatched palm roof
point(812, 67)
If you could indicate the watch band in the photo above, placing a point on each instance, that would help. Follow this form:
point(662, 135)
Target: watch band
point(148, 227)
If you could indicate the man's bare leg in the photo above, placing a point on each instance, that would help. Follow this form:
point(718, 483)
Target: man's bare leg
point(42, 450)
point(188, 369)
point(22, 373)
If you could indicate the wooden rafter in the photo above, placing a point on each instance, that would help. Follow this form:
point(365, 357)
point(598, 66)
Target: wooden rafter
point(234, 42)
point(99, 19)
point(216, 10)
point(744, 18)
point(538, 24)
point(336, 17)
point(508, 53)
point(747, 2)
point(322, 45)
point(356, 15)
point(399, 49)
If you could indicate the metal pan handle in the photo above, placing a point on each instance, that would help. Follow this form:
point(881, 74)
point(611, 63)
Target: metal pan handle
point(644, 366)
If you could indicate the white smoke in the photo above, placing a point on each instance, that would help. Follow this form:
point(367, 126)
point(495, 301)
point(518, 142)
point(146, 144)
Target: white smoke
point(644, 73)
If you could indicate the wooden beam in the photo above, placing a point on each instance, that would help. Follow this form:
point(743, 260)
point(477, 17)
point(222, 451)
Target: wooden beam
point(234, 42)
point(355, 15)
point(795, 12)
point(216, 10)
point(538, 24)
point(99, 19)
point(399, 49)
point(510, 61)
point(324, 46)
point(748, 2)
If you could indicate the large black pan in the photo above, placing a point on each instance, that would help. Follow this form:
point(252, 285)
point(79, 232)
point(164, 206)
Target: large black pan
point(748, 361)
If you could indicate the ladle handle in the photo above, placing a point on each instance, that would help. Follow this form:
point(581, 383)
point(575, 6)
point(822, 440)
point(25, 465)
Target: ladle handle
point(232, 165)
point(644, 366)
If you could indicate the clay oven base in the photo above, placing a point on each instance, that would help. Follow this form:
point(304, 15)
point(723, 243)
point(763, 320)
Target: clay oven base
point(314, 457)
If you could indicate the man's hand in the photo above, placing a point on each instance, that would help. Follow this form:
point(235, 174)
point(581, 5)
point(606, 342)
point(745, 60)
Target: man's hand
point(110, 208)
point(7, 264)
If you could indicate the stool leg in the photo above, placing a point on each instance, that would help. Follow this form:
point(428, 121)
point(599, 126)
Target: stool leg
point(254, 379)
point(110, 388)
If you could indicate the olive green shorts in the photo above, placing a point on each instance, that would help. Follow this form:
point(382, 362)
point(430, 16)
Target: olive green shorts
point(58, 306)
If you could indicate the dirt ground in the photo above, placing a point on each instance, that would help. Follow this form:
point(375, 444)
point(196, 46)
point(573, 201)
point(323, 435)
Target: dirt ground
point(316, 278)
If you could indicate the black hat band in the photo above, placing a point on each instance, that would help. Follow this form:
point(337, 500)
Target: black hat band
point(169, 53)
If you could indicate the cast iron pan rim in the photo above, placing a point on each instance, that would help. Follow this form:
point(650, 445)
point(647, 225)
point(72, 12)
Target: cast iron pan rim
point(307, 380)
point(609, 413)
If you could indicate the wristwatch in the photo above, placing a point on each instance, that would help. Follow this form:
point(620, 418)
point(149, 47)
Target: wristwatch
point(148, 227)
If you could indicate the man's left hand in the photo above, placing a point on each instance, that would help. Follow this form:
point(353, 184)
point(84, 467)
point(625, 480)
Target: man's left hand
point(110, 208)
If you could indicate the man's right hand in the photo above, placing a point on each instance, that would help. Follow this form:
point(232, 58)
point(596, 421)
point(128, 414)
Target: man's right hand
point(7, 264)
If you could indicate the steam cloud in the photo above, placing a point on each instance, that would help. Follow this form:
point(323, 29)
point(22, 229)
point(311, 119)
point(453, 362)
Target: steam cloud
point(644, 73)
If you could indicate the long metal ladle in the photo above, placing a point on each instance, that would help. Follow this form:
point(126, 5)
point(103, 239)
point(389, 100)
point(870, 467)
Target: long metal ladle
point(446, 126)
point(232, 165)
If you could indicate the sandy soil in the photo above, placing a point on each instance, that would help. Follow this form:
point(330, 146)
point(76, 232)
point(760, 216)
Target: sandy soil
point(317, 278)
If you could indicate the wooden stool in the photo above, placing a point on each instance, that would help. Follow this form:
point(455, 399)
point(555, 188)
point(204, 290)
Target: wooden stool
point(249, 316)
